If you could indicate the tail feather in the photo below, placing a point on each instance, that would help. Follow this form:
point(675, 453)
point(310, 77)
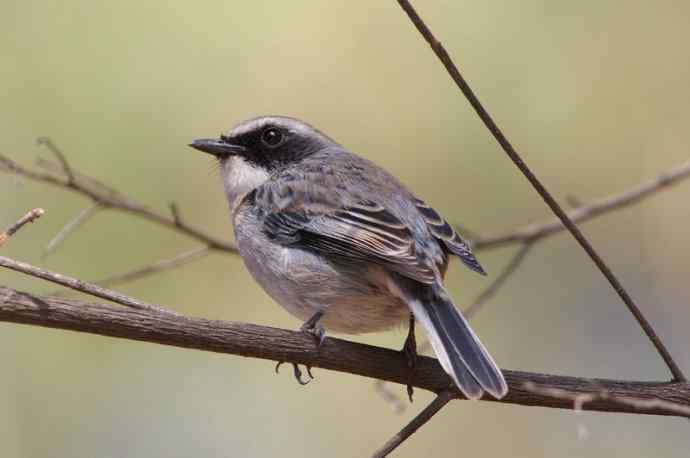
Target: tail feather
point(458, 348)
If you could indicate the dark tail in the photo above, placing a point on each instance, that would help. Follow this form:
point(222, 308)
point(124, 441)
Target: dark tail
point(457, 347)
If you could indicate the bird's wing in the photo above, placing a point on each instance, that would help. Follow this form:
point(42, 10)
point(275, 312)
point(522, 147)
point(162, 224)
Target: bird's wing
point(314, 217)
point(444, 232)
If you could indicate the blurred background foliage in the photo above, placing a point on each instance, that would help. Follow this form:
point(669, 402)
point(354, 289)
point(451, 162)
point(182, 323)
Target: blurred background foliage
point(594, 93)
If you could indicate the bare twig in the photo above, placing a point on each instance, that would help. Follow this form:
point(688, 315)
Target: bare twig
point(89, 181)
point(81, 286)
point(586, 212)
point(443, 398)
point(88, 188)
point(454, 73)
point(496, 284)
point(175, 212)
point(30, 217)
point(159, 266)
point(70, 227)
point(334, 354)
point(52, 147)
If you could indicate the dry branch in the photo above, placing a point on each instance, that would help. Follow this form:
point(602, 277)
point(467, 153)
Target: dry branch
point(335, 354)
point(585, 212)
point(106, 198)
point(30, 217)
point(443, 398)
point(80, 285)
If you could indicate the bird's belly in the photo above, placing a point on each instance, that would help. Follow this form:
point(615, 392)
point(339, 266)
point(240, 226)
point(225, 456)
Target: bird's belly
point(355, 298)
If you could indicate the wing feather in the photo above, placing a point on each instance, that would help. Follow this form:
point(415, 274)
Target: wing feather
point(362, 230)
point(443, 231)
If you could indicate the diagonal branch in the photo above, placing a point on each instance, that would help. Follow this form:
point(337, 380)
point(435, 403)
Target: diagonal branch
point(70, 227)
point(510, 268)
point(102, 196)
point(334, 354)
point(158, 266)
point(508, 148)
point(30, 217)
point(586, 212)
point(80, 285)
point(52, 147)
point(443, 398)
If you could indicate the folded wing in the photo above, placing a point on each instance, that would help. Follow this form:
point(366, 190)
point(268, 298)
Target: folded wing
point(361, 231)
point(444, 232)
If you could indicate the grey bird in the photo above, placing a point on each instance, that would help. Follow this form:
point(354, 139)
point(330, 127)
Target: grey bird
point(343, 245)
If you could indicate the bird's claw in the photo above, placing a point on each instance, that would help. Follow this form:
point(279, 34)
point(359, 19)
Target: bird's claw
point(297, 372)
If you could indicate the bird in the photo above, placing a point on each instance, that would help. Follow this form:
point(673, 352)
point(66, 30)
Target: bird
point(343, 245)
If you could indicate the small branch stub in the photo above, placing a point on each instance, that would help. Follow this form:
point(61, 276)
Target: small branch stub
point(30, 217)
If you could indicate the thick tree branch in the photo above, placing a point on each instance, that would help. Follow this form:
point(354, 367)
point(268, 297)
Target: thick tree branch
point(515, 157)
point(335, 354)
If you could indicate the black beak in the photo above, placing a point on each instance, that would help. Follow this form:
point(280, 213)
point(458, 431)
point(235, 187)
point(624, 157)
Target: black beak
point(218, 148)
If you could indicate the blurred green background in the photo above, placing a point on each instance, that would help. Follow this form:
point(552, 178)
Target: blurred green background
point(595, 94)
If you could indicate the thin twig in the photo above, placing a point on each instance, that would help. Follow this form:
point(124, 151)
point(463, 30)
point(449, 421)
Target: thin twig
point(116, 202)
point(500, 279)
point(89, 181)
point(52, 147)
point(70, 227)
point(81, 286)
point(175, 212)
point(454, 73)
point(156, 267)
point(417, 422)
point(586, 212)
point(333, 354)
point(30, 217)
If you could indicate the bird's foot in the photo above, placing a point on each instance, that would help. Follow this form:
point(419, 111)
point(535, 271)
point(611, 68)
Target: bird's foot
point(312, 327)
point(409, 350)
point(297, 372)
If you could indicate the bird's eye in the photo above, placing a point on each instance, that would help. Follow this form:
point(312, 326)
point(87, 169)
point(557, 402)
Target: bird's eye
point(272, 137)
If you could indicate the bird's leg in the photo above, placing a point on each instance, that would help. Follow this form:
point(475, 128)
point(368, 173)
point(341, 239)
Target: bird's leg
point(409, 349)
point(311, 327)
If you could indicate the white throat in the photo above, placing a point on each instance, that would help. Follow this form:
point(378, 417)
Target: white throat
point(239, 178)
